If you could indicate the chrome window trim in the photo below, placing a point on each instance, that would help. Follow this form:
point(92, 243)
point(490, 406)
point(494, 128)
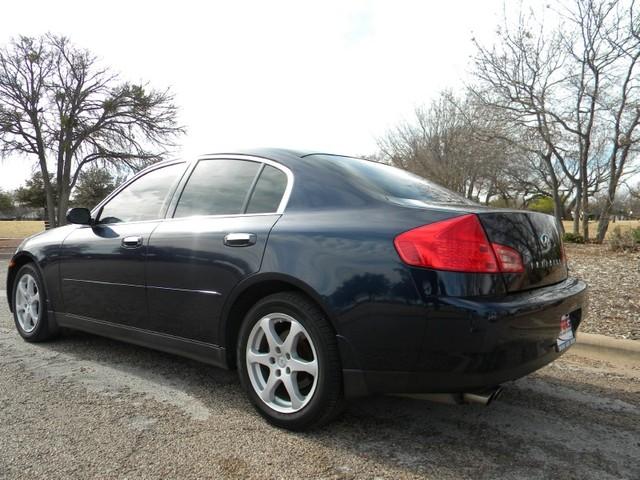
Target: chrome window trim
point(284, 201)
point(230, 215)
point(140, 174)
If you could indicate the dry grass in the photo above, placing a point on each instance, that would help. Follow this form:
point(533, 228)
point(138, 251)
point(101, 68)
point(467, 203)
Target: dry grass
point(20, 228)
point(593, 226)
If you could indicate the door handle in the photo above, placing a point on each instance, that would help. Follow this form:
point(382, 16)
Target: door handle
point(239, 239)
point(132, 242)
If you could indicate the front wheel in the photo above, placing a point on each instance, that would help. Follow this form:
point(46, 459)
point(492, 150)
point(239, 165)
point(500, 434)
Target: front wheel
point(288, 362)
point(30, 306)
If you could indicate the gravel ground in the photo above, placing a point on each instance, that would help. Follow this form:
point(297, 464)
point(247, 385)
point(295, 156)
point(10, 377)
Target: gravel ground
point(87, 407)
point(614, 282)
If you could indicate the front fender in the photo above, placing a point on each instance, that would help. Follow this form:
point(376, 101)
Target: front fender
point(43, 249)
point(19, 259)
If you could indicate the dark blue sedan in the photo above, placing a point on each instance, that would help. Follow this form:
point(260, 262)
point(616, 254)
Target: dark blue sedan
point(319, 277)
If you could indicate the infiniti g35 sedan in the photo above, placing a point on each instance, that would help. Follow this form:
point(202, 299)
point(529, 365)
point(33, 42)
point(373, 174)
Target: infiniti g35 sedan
point(319, 277)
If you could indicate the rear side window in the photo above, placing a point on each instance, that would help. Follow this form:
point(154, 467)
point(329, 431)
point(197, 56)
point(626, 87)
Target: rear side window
point(144, 198)
point(394, 183)
point(268, 192)
point(217, 187)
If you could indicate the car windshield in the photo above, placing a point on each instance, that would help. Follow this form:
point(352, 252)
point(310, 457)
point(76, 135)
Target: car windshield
point(395, 183)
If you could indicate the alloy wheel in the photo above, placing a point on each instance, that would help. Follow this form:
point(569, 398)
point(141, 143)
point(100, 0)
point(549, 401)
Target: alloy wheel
point(282, 363)
point(28, 303)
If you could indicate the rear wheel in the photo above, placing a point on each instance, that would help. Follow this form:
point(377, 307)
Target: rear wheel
point(30, 306)
point(288, 362)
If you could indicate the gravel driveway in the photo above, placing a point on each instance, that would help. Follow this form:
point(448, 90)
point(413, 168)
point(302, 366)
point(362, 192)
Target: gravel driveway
point(87, 407)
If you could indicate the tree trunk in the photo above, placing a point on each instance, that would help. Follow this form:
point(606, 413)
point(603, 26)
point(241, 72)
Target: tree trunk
point(472, 184)
point(577, 210)
point(64, 186)
point(557, 212)
point(557, 203)
point(42, 158)
point(558, 208)
point(585, 209)
point(63, 205)
point(568, 208)
point(48, 191)
point(603, 221)
point(51, 207)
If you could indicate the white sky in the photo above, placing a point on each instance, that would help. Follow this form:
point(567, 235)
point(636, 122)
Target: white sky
point(327, 75)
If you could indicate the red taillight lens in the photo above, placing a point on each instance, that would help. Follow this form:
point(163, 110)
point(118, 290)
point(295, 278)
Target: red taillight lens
point(509, 260)
point(458, 244)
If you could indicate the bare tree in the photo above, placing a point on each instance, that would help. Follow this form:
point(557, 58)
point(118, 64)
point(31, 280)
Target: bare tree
point(58, 104)
point(452, 143)
point(611, 33)
point(521, 75)
point(572, 86)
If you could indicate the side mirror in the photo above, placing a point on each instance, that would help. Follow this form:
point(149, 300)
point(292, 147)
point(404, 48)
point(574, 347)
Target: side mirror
point(80, 216)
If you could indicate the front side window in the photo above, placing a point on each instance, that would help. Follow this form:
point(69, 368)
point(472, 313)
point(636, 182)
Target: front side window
point(217, 187)
point(144, 198)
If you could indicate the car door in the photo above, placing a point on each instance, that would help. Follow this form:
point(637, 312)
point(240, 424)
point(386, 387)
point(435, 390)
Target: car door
point(102, 271)
point(215, 238)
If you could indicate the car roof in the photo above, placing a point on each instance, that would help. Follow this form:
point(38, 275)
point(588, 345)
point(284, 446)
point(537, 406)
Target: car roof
point(291, 158)
point(264, 152)
point(278, 154)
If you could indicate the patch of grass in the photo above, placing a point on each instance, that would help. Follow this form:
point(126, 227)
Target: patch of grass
point(20, 228)
point(572, 238)
point(627, 241)
point(625, 225)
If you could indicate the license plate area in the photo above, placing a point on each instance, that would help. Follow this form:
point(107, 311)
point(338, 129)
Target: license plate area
point(566, 337)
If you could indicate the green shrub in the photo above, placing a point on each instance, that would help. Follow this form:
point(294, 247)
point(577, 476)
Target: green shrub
point(542, 204)
point(573, 238)
point(629, 240)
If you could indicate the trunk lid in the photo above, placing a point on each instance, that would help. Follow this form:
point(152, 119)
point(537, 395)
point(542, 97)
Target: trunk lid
point(537, 237)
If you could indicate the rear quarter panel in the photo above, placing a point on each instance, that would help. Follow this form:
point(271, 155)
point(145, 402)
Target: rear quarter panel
point(348, 259)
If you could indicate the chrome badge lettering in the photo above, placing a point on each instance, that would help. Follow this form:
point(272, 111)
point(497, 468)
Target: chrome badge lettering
point(546, 263)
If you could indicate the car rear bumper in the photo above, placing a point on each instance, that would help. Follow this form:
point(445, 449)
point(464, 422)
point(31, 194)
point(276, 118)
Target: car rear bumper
point(474, 344)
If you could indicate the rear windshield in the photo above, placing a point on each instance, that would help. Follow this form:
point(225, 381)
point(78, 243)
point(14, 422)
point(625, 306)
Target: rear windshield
point(394, 183)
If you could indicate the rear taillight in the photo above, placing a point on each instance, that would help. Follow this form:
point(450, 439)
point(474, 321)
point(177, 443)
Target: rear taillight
point(509, 260)
point(459, 245)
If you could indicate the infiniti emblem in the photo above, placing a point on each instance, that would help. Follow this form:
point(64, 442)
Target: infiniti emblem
point(545, 240)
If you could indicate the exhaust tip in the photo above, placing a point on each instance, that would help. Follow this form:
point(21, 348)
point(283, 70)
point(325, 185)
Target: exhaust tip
point(497, 393)
point(482, 398)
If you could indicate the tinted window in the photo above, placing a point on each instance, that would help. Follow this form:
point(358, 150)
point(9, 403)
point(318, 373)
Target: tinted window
point(268, 192)
point(217, 187)
point(144, 198)
point(393, 182)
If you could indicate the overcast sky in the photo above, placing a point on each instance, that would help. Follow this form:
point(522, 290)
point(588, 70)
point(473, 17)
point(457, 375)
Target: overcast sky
point(331, 76)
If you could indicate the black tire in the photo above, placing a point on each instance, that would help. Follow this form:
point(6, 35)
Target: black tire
point(44, 328)
point(327, 400)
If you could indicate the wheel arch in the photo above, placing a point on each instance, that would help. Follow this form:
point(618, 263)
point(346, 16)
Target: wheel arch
point(16, 263)
point(245, 296)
